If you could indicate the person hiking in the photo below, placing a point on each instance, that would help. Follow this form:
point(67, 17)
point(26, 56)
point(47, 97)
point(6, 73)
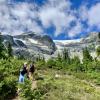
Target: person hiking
point(23, 72)
point(31, 71)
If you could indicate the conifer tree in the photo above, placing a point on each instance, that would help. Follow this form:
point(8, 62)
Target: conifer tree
point(76, 60)
point(43, 58)
point(66, 55)
point(10, 50)
point(86, 56)
point(98, 51)
point(76, 64)
point(59, 58)
point(1, 47)
point(99, 35)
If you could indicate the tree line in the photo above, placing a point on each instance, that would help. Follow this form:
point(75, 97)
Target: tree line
point(64, 61)
point(5, 51)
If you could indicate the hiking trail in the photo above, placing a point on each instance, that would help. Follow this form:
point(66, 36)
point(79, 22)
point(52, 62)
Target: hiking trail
point(34, 85)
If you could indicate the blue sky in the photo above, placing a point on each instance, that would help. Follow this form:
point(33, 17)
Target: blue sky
point(61, 19)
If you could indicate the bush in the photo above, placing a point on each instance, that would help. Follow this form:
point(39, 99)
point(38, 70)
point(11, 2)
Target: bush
point(25, 90)
point(9, 72)
point(51, 63)
point(40, 64)
point(8, 87)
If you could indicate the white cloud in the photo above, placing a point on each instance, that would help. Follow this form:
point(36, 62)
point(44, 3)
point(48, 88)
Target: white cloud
point(77, 29)
point(83, 12)
point(21, 17)
point(17, 18)
point(56, 13)
point(91, 16)
point(2, 1)
point(94, 15)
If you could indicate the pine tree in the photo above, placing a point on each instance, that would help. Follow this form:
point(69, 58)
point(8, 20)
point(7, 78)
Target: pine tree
point(86, 56)
point(59, 58)
point(10, 50)
point(99, 35)
point(1, 47)
point(76, 60)
point(98, 51)
point(65, 54)
point(43, 59)
point(76, 64)
point(38, 58)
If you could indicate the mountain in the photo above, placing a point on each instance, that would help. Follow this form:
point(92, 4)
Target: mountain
point(31, 45)
point(76, 46)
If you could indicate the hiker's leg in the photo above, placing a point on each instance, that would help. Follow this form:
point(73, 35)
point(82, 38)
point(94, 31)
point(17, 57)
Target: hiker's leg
point(30, 75)
point(33, 76)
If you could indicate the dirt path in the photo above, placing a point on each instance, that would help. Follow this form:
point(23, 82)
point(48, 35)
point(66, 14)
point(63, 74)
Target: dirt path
point(34, 85)
point(16, 98)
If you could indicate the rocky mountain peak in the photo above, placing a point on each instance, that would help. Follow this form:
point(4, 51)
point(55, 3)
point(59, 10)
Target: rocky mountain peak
point(76, 46)
point(31, 44)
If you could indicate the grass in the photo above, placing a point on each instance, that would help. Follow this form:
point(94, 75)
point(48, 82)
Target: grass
point(64, 87)
point(52, 84)
point(93, 77)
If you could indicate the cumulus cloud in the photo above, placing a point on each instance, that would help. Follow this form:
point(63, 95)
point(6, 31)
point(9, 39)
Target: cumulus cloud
point(75, 30)
point(21, 17)
point(90, 15)
point(94, 15)
point(2, 1)
point(16, 18)
point(56, 13)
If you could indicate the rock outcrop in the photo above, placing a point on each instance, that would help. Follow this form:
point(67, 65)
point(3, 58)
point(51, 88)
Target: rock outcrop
point(31, 44)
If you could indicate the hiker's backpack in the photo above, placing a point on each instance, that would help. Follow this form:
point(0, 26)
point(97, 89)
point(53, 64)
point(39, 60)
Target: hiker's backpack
point(32, 68)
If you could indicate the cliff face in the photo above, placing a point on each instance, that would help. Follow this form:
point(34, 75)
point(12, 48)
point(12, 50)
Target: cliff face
point(75, 47)
point(31, 44)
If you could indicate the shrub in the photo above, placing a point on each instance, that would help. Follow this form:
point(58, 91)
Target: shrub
point(25, 90)
point(8, 87)
point(9, 71)
point(40, 64)
point(51, 63)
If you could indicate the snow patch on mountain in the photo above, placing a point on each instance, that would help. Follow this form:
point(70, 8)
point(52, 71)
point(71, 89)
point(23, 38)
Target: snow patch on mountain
point(33, 41)
point(64, 42)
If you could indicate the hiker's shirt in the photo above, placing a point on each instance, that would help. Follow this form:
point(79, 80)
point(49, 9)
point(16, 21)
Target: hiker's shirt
point(24, 71)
